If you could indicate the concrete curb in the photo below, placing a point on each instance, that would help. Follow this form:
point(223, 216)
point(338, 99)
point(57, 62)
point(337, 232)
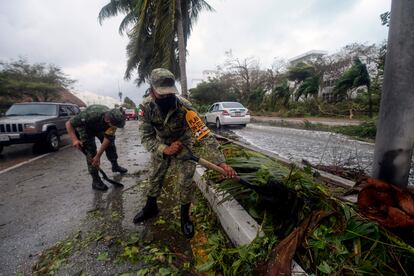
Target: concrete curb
point(239, 226)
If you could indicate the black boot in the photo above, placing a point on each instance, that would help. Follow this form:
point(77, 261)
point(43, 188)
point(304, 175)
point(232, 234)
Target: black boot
point(97, 183)
point(117, 168)
point(187, 227)
point(150, 210)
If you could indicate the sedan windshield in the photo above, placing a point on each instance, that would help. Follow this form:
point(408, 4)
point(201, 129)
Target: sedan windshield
point(32, 109)
point(233, 105)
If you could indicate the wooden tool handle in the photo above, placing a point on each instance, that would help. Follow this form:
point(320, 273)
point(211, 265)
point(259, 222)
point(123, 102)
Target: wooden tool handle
point(214, 167)
point(211, 166)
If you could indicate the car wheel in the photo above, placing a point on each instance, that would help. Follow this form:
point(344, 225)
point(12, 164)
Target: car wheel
point(218, 124)
point(243, 125)
point(52, 140)
point(205, 120)
point(1, 148)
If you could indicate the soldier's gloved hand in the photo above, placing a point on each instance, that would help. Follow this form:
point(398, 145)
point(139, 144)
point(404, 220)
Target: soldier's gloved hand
point(230, 172)
point(77, 144)
point(96, 161)
point(174, 148)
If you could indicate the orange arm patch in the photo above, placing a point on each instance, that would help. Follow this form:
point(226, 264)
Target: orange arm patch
point(197, 126)
point(110, 131)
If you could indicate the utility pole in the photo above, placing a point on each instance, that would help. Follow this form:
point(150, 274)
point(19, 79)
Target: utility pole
point(395, 135)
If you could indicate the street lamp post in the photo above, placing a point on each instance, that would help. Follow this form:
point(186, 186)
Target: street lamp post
point(120, 96)
point(395, 135)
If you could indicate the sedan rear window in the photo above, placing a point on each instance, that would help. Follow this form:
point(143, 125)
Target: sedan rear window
point(32, 109)
point(233, 105)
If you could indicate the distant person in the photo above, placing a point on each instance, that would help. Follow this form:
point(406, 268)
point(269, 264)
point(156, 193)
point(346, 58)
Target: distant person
point(164, 131)
point(101, 122)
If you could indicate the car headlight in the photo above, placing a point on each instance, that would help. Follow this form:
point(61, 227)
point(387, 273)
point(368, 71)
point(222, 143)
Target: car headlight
point(29, 126)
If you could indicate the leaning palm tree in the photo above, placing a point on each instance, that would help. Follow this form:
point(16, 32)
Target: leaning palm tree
point(158, 31)
point(354, 77)
point(309, 86)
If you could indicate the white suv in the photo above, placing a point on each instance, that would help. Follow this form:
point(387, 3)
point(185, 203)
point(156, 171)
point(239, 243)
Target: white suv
point(227, 113)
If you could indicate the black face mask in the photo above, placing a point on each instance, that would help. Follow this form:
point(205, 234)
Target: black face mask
point(165, 104)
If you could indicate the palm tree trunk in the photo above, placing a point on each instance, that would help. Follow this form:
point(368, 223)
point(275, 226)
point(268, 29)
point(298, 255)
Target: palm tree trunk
point(181, 51)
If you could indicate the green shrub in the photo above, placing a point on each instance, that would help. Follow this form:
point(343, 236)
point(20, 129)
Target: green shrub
point(367, 129)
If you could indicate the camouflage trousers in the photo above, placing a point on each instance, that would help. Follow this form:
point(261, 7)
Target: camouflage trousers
point(90, 147)
point(183, 177)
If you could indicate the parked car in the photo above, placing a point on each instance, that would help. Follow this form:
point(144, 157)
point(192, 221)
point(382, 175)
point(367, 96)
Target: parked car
point(131, 114)
point(36, 122)
point(227, 113)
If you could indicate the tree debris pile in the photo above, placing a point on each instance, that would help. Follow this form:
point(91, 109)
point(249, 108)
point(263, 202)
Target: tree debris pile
point(324, 234)
point(389, 205)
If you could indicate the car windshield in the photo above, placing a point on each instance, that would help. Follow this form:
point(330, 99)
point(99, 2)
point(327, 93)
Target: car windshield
point(233, 105)
point(129, 111)
point(32, 109)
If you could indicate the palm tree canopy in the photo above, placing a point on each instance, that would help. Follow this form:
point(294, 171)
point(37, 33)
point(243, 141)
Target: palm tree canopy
point(354, 77)
point(310, 86)
point(300, 72)
point(151, 26)
point(115, 7)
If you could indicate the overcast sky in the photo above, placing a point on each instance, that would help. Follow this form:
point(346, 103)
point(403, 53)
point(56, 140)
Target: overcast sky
point(66, 33)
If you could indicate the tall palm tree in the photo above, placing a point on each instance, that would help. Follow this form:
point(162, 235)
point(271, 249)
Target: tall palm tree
point(282, 91)
point(309, 86)
point(354, 77)
point(158, 31)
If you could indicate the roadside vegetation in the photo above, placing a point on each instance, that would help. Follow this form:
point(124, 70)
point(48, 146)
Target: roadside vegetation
point(331, 237)
point(346, 84)
point(21, 80)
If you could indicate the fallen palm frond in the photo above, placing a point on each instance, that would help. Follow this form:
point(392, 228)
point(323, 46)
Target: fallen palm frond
point(343, 243)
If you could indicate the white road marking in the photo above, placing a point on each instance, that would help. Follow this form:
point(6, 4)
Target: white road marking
point(29, 161)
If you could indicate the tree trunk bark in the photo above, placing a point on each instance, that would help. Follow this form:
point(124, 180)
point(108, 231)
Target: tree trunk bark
point(395, 134)
point(181, 50)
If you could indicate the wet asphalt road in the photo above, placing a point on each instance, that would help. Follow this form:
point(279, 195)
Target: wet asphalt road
point(43, 201)
point(15, 154)
point(317, 147)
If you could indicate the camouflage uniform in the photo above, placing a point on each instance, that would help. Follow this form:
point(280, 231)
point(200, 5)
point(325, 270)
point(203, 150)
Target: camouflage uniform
point(158, 131)
point(89, 124)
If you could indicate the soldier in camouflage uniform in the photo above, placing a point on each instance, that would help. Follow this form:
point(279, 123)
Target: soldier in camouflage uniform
point(101, 122)
point(163, 132)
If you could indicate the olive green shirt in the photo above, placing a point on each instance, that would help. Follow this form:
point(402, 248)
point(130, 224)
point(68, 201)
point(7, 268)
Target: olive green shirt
point(90, 123)
point(158, 130)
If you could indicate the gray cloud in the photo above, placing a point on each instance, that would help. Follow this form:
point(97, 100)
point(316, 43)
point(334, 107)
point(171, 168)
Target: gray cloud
point(67, 34)
point(267, 29)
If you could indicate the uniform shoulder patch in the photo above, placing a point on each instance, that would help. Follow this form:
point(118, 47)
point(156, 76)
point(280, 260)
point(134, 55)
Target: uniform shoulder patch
point(110, 131)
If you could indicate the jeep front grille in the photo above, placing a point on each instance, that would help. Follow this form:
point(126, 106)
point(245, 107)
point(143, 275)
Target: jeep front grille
point(11, 128)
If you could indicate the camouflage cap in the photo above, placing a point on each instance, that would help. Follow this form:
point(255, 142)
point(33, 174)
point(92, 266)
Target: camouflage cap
point(116, 118)
point(163, 81)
